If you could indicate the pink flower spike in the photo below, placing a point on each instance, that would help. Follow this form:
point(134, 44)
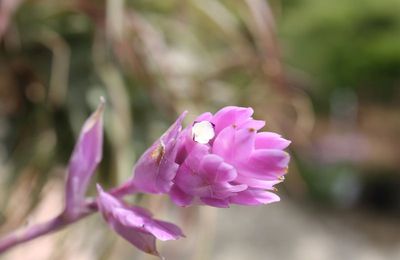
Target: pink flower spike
point(156, 168)
point(84, 160)
point(135, 224)
point(223, 159)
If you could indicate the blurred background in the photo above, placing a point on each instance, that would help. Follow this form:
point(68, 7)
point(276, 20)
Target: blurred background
point(324, 74)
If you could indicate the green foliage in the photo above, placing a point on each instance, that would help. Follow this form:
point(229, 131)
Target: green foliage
point(345, 43)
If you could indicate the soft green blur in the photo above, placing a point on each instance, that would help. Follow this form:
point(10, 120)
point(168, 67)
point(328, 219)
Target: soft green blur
point(324, 74)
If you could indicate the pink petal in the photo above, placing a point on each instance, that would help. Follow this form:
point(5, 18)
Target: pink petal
point(144, 241)
point(252, 124)
point(254, 197)
point(108, 202)
point(164, 231)
point(265, 164)
point(269, 140)
point(179, 197)
point(189, 181)
point(257, 183)
point(142, 211)
point(215, 202)
point(213, 169)
point(125, 217)
point(225, 190)
point(207, 116)
point(210, 163)
point(234, 144)
point(231, 116)
point(195, 157)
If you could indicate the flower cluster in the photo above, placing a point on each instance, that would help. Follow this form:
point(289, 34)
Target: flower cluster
point(217, 160)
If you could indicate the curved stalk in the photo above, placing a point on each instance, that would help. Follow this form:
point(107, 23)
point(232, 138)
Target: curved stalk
point(21, 236)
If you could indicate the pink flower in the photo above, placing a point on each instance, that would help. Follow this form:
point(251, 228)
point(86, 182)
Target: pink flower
point(223, 159)
point(84, 160)
point(135, 224)
point(156, 168)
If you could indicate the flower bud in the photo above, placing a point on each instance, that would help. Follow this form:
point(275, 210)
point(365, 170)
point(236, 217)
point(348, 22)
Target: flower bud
point(84, 160)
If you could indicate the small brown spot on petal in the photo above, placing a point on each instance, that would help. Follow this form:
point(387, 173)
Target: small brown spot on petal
point(158, 153)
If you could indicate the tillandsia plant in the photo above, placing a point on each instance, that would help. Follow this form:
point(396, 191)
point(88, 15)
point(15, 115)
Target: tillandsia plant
point(217, 160)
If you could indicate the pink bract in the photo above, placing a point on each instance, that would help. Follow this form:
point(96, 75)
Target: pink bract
point(84, 160)
point(135, 224)
point(156, 168)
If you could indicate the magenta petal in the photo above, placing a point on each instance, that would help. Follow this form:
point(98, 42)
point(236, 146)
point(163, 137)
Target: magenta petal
point(144, 241)
point(257, 183)
point(142, 211)
point(231, 116)
point(187, 177)
point(84, 160)
point(234, 144)
point(125, 216)
point(135, 224)
point(254, 197)
point(164, 231)
point(269, 140)
point(179, 197)
point(210, 163)
point(156, 168)
point(214, 169)
point(226, 187)
point(253, 124)
point(195, 157)
point(265, 164)
point(270, 159)
point(219, 203)
point(190, 182)
point(207, 116)
point(225, 190)
point(210, 180)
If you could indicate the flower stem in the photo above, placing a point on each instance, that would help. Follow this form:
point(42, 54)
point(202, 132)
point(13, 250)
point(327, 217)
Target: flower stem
point(18, 237)
point(55, 224)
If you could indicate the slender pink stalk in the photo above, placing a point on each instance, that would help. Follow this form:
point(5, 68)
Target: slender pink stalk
point(18, 237)
point(55, 224)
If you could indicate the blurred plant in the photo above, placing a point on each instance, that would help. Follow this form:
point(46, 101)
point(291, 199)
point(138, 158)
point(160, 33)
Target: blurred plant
point(176, 163)
point(153, 59)
point(345, 44)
